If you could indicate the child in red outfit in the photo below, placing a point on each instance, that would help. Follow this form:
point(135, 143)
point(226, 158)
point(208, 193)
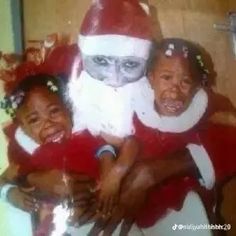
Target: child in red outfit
point(42, 113)
point(177, 76)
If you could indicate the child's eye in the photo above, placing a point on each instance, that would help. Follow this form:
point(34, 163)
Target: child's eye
point(187, 81)
point(54, 110)
point(33, 120)
point(166, 77)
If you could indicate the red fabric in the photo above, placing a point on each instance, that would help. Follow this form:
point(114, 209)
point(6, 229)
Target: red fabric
point(218, 140)
point(59, 61)
point(76, 154)
point(117, 17)
point(156, 144)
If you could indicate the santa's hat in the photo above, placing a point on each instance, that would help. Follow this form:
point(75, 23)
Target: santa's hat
point(116, 28)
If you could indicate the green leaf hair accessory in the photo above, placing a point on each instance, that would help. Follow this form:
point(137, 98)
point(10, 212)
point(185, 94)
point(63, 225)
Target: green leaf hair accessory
point(11, 103)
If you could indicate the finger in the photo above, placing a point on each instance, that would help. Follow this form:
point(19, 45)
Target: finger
point(82, 196)
point(110, 228)
point(82, 204)
point(28, 189)
point(110, 205)
point(88, 215)
point(126, 226)
point(76, 214)
point(106, 206)
point(83, 188)
point(31, 203)
point(100, 207)
point(81, 178)
point(30, 206)
point(112, 224)
point(98, 227)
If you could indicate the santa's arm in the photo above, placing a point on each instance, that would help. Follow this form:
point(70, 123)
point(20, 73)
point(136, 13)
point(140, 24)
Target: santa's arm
point(152, 172)
point(119, 164)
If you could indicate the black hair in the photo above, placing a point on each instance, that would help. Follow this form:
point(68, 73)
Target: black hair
point(54, 84)
point(181, 47)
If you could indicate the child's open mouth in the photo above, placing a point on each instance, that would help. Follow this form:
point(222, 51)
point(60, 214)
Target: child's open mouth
point(173, 106)
point(55, 137)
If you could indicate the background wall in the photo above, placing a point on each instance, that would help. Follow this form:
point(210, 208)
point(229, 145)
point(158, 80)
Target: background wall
point(6, 39)
point(6, 45)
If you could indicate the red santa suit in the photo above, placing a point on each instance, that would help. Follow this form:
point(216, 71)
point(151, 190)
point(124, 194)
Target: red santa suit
point(123, 31)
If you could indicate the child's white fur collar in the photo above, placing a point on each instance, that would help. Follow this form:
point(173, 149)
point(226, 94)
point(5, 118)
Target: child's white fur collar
point(178, 124)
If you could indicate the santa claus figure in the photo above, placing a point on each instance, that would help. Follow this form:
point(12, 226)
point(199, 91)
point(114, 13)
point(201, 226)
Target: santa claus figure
point(115, 43)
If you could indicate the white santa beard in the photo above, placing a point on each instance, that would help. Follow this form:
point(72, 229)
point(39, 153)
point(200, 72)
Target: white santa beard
point(102, 108)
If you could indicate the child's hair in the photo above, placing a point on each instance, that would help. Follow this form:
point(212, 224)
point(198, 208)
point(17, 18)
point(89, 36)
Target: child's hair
point(183, 48)
point(54, 84)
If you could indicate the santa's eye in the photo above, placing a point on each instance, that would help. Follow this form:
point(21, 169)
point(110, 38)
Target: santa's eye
point(100, 60)
point(131, 64)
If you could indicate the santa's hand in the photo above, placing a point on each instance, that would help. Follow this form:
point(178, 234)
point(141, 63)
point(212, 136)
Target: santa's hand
point(23, 199)
point(133, 196)
point(58, 183)
point(109, 195)
point(83, 190)
point(50, 182)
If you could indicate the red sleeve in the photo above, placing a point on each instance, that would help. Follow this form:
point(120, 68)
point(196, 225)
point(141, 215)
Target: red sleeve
point(76, 154)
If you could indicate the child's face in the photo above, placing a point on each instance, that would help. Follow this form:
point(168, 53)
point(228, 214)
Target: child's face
point(173, 85)
point(44, 117)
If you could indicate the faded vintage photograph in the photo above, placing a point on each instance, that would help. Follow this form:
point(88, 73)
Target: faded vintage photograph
point(117, 117)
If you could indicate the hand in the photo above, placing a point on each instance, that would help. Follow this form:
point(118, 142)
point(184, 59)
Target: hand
point(23, 199)
point(132, 198)
point(109, 194)
point(83, 215)
point(61, 184)
point(49, 182)
point(11, 173)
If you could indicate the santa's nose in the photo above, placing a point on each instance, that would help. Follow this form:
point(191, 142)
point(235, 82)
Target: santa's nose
point(115, 76)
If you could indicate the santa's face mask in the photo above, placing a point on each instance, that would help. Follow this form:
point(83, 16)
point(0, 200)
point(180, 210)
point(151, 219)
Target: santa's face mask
point(114, 71)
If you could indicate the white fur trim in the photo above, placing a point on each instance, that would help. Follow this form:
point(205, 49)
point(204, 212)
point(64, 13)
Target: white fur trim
point(4, 190)
point(114, 45)
point(204, 164)
point(27, 143)
point(178, 124)
point(145, 7)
